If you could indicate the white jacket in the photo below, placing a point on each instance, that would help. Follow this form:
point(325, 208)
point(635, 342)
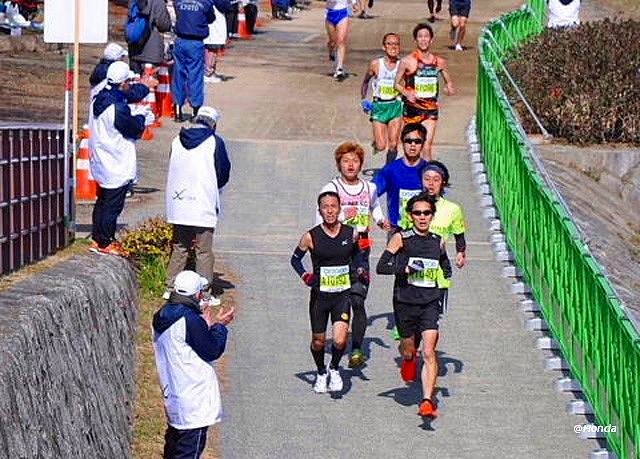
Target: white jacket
point(112, 142)
point(564, 15)
point(192, 195)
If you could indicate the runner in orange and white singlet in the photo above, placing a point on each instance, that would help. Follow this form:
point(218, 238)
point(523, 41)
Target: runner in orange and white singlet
point(418, 79)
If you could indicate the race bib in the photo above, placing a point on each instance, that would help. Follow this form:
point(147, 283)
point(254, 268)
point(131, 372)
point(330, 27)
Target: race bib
point(426, 87)
point(361, 220)
point(427, 276)
point(405, 221)
point(334, 279)
point(387, 90)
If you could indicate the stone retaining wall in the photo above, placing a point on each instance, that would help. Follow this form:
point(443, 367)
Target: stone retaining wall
point(67, 361)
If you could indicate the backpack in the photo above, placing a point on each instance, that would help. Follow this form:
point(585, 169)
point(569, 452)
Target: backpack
point(137, 27)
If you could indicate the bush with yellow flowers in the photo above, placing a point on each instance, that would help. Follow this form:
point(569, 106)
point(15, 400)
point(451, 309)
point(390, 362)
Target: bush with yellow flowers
point(152, 238)
point(149, 246)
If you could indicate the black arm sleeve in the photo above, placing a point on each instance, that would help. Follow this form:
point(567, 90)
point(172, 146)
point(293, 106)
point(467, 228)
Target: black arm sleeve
point(445, 263)
point(390, 263)
point(296, 261)
point(461, 243)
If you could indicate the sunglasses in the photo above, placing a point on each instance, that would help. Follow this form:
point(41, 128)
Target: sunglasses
point(414, 141)
point(417, 213)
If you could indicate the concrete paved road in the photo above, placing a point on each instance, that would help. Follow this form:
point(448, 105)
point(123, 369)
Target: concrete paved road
point(496, 400)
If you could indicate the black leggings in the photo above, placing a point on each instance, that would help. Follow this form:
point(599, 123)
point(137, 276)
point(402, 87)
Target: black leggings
point(358, 322)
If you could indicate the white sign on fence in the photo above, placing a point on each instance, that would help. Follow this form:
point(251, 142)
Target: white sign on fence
point(59, 21)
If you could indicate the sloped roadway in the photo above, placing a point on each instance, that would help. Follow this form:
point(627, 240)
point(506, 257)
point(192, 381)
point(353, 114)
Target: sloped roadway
point(283, 116)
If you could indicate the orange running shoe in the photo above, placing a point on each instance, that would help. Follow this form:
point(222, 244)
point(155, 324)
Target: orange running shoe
point(94, 247)
point(428, 408)
point(409, 369)
point(115, 248)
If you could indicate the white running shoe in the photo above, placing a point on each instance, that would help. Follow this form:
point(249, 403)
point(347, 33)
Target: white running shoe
point(459, 47)
point(320, 386)
point(212, 79)
point(335, 380)
point(166, 295)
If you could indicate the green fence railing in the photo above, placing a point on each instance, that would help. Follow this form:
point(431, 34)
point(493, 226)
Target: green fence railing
point(583, 312)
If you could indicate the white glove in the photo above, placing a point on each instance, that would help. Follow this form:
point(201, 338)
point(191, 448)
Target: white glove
point(144, 110)
point(149, 117)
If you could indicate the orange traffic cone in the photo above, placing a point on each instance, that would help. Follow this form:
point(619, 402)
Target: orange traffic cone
point(86, 187)
point(163, 91)
point(243, 30)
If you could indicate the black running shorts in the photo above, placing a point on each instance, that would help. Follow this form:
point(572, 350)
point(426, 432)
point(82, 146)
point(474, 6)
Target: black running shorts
point(325, 305)
point(416, 318)
point(418, 115)
point(460, 8)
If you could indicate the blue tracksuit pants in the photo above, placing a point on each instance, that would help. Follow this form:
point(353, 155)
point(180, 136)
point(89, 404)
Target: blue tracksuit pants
point(188, 72)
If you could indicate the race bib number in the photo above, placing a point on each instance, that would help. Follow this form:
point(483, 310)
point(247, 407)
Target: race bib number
point(426, 87)
point(405, 221)
point(334, 279)
point(427, 276)
point(387, 90)
point(361, 219)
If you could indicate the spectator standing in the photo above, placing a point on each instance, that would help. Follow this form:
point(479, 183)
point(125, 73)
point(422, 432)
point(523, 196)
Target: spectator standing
point(114, 130)
point(152, 50)
point(232, 19)
point(192, 27)
point(564, 13)
point(112, 52)
point(214, 47)
point(250, 14)
point(187, 338)
point(199, 168)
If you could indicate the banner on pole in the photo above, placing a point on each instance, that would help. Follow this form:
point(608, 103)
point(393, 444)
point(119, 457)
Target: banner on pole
point(59, 21)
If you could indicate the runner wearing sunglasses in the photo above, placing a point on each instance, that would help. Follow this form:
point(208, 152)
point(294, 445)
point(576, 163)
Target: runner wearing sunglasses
point(337, 262)
point(418, 79)
point(360, 205)
point(449, 220)
point(420, 264)
point(402, 179)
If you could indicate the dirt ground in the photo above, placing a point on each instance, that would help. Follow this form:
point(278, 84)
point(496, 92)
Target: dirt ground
point(33, 73)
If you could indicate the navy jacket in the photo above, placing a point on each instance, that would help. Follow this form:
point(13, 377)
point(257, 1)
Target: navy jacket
point(194, 16)
point(100, 71)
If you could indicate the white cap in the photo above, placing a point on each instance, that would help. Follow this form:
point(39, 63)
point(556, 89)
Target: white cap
point(188, 283)
point(115, 52)
point(119, 72)
point(207, 115)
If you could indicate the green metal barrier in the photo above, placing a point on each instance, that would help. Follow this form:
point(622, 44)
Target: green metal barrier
point(583, 312)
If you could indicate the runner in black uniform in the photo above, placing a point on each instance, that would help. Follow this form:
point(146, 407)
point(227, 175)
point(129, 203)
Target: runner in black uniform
point(420, 263)
point(337, 262)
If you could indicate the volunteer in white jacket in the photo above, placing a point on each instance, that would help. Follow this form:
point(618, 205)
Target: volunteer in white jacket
point(114, 130)
point(198, 168)
point(564, 13)
point(187, 338)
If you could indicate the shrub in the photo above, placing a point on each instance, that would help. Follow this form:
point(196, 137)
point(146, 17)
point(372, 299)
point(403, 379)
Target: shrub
point(150, 248)
point(152, 238)
point(583, 82)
